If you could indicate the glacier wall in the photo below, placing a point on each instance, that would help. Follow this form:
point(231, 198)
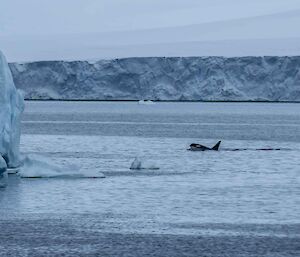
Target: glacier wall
point(159, 78)
point(11, 108)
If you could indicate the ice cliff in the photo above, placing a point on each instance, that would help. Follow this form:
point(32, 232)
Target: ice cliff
point(11, 108)
point(159, 78)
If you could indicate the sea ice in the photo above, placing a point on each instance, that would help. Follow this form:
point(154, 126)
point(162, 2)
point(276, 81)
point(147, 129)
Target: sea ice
point(35, 166)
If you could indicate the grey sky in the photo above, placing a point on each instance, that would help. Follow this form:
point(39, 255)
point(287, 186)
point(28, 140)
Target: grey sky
point(93, 29)
point(34, 17)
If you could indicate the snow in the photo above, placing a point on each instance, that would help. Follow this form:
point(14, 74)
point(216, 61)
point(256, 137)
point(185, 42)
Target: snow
point(37, 166)
point(159, 78)
point(11, 108)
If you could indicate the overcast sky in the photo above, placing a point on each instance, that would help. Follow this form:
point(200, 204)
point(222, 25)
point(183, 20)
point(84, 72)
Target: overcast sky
point(77, 29)
point(35, 17)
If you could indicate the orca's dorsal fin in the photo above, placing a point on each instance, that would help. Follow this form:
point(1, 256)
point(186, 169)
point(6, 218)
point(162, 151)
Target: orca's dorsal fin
point(216, 147)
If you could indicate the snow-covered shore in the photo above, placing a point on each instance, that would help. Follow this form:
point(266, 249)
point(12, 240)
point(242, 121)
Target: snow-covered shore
point(163, 78)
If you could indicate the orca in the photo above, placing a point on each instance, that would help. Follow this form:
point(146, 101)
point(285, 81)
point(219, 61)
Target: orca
point(198, 147)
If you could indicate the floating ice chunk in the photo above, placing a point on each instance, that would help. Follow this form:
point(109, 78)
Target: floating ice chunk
point(40, 167)
point(13, 170)
point(139, 164)
point(146, 102)
point(3, 172)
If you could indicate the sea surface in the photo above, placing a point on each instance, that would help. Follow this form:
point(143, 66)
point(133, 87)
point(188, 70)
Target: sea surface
point(238, 201)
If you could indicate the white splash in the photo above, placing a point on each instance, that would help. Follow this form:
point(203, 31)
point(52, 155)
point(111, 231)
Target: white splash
point(139, 164)
point(36, 166)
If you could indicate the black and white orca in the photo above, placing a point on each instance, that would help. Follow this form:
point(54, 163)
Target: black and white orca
point(198, 147)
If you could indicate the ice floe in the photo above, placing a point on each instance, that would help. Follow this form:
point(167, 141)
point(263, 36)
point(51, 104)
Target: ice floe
point(36, 166)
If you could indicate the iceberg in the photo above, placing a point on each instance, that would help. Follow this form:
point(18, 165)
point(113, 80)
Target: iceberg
point(11, 108)
point(3, 172)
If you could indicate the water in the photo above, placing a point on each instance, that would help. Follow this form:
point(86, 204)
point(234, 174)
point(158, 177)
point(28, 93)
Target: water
point(225, 193)
point(242, 121)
